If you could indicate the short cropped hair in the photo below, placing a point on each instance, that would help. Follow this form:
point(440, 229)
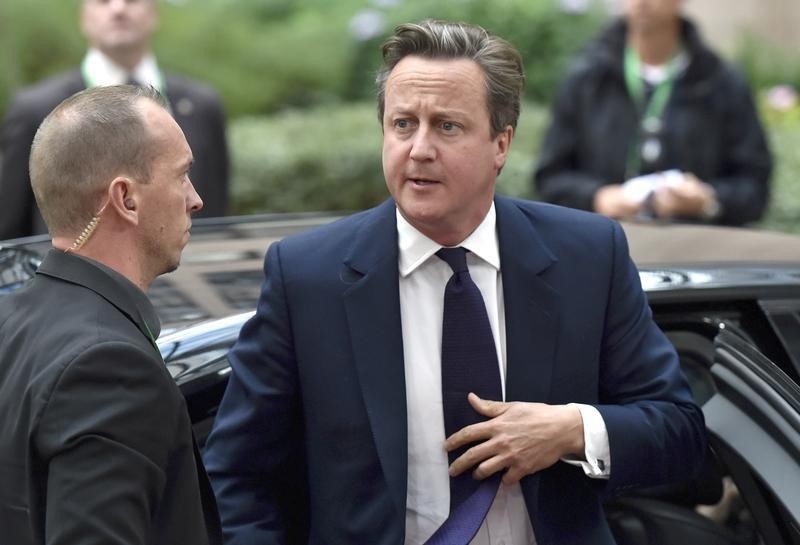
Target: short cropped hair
point(500, 61)
point(88, 140)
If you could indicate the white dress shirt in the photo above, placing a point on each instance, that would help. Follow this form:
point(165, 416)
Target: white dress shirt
point(423, 277)
point(99, 70)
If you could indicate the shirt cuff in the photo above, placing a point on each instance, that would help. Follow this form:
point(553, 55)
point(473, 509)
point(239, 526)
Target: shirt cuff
point(597, 463)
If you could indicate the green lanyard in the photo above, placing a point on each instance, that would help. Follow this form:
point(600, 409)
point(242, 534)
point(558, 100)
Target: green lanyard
point(650, 113)
point(152, 340)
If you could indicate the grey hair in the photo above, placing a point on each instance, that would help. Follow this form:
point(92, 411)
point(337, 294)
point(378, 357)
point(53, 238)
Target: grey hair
point(500, 61)
point(86, 141)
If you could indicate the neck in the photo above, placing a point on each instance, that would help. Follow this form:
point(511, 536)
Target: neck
point(125, 263)
point(655, 45)
point(128, 58)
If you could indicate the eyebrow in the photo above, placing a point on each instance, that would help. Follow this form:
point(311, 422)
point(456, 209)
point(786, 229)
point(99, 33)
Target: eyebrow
point(438, 114)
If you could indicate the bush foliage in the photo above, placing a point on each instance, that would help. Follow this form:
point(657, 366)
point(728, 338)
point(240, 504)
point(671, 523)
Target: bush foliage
point(329, 158)
point(296, 77)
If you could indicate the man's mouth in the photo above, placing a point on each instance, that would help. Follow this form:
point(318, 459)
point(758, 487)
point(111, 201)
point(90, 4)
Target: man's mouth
point(422, 181)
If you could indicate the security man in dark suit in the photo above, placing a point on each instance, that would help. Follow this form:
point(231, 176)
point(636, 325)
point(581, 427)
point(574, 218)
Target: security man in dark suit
point(96, 445)
point(119, 34)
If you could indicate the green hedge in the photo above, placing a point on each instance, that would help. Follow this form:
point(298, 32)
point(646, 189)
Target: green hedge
point(329, 158)
point(784, 209)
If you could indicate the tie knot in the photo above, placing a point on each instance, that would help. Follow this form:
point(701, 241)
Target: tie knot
point(455, 257)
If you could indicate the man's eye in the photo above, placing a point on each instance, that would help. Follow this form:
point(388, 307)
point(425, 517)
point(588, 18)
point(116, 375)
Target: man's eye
point(402, 124)
point(449, 126)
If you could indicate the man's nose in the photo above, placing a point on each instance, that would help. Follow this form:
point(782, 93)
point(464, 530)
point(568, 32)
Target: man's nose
point(422, 145)
point(193, 201)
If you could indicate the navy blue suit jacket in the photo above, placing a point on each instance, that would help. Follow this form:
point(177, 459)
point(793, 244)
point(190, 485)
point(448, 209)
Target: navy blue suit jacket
point(310, 441)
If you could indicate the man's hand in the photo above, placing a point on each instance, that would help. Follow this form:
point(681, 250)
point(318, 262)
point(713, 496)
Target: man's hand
point(521, 438)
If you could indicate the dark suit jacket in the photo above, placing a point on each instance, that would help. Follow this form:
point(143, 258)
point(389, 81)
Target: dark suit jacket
point(316, 404)
point(195, 107)
point(96, 445)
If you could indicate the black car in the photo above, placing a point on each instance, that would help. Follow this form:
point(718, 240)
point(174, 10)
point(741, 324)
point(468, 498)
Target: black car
point(728, 299)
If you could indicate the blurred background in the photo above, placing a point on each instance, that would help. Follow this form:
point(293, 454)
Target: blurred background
point(296, 78)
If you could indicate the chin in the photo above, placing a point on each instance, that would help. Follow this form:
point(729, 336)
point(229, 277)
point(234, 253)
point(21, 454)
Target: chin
point(171, 267)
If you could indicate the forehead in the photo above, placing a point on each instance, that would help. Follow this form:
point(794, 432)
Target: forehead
point(163, 129)
point(449, 80)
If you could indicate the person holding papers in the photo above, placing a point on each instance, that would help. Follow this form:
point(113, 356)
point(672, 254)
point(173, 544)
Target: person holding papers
point(650, 123)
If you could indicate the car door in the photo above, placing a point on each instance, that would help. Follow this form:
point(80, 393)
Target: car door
point(753, 420)
point(748, 492)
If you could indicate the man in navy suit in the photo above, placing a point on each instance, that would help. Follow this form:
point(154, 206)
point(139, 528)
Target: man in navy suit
point(331, 427)
point(119, 33)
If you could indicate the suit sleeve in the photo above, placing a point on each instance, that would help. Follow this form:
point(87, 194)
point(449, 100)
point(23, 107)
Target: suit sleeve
point(16, 136)
point(558, 178)
point(207, 137)
point(220, 168)
point(254, 454)
point(105, 434)
point(656, 432)
point(742, 185)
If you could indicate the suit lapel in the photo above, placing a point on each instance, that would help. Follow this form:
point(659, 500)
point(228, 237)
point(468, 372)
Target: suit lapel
point(75, 83)
point(531, 305)
point(372, 305)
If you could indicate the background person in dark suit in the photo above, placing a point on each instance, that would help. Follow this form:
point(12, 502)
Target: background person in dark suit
point(119, 34)
point(650, 123)
point(331, 429)
point(96, 444)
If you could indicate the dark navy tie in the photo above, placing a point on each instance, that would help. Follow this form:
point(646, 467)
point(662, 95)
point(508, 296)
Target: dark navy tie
point(469, 364)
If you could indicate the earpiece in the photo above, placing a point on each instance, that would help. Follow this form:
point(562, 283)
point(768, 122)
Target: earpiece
point(129, 204)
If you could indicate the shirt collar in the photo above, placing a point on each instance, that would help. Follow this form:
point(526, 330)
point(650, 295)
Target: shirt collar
point(99, 69)
point(655, 74)
point(415, 248)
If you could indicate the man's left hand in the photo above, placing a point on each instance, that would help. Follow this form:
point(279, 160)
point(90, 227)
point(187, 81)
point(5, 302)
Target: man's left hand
point(521, 438)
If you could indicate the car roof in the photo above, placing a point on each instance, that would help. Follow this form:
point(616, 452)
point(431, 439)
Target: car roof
point(677, 244)
point(221, 268)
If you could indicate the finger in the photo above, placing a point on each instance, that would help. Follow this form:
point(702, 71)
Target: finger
point(690, 177)
point(668, 190)
point(514, 475)
point(489, 467)
point(473, 457)
point(690, 189)
point(468, 434)
point(487, 407)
